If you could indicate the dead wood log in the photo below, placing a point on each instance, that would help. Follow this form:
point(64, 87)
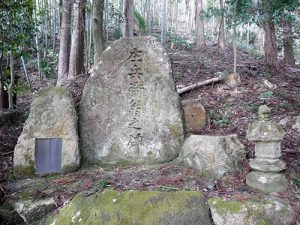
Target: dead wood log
point(202, 83)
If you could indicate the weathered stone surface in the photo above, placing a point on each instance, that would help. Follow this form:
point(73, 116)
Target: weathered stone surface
point(129, 111)
point(267, 182)
point(232, 79)
point(214, 155)
point(263, 211)
point(266, 165)
point(264, 129)
point(296, 126)
point(52, 115)
point(33, 211)
point(135, 207)
point(195, 116)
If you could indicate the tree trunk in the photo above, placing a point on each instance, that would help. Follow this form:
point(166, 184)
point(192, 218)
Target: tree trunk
point(288, 41)
point(65, 42)
point(98, 30)
point(234, 38)
point(270, 37)
point(149, 16)
point(12, 81)
point(164, 21)
point(1, 86)
point(221, 36)
point(128, 19)
point(200, 33)
point(76, 64)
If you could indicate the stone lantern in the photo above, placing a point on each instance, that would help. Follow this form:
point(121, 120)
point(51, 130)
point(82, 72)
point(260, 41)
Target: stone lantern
point(266, 174)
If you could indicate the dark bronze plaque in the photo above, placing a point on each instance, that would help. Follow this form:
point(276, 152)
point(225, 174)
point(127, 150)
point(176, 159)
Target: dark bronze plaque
point(48, 155)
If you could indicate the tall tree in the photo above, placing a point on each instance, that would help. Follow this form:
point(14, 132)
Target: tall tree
point(221, 35)
point(200, 33)
point(128, 18)
point(76, 64)
point(164, 21)
point(98, 29)
point(1, 85)
point(270, 37)
point(65, 42)
point(288, 41)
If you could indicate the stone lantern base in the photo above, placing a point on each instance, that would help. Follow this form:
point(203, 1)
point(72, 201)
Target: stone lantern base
point(267, 182)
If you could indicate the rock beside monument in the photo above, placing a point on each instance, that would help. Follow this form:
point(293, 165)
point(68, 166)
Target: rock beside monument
point(195, 116)
point(129, 111)
point(296, 126)
point(214, 155)
point(266, 210)
point(52, 115)
point(135, 207)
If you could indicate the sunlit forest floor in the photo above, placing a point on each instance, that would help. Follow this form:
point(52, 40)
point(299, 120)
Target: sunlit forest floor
point(230, 110)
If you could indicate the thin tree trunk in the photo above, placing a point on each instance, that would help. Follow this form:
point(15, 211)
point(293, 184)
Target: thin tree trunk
point(121, 16)
point(98, 31)
point(270, 37)
point(53, 25)
point(76, 64)
point(248, 33)
point(149, 16)
point(37, 44)
point(164, 24)
point(221, 36)
point(65, 42)
point(176, 16)
point(234, 39)
point(26, 74)
point(1, 86)
point(128, 19)
point(12, 81)
point(200, 33)
point(288, 41)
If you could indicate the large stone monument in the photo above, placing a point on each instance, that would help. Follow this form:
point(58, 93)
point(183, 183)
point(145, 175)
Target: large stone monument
point(266, 167)
point(49, 141)
point(129, 111)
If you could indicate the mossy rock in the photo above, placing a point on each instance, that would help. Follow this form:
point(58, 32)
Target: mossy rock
point(135, 208)
point(257, 211)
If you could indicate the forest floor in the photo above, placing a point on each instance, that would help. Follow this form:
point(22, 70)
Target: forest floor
point(230, 110)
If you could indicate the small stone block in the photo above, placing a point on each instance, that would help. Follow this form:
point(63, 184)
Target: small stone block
point(269, 150)
point(267, 182)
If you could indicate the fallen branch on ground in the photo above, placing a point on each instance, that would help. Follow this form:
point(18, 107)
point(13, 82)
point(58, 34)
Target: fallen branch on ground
point(202, 83)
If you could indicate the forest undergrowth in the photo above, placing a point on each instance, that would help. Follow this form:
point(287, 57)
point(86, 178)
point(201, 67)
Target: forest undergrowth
point(230, 111)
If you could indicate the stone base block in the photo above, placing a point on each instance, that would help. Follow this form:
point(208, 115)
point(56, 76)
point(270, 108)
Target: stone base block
point(267, 182)
point(268, 165)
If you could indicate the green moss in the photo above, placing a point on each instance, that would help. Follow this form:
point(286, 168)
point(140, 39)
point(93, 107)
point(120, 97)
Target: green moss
point(176, 130)
point(44, 92)
point(222, 206)
point(24, 171)
point(133, 207)
point(70, 168)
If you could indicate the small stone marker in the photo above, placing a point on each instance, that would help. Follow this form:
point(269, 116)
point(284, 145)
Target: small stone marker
point(49, 141)
point(266, 166)
point(194, 115)
point(129, 111)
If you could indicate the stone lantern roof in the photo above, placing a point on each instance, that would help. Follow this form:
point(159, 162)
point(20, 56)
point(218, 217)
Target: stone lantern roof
point(264, 129)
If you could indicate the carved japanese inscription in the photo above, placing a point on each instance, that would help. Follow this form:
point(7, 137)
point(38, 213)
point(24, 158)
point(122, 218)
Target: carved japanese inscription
point(135, 89)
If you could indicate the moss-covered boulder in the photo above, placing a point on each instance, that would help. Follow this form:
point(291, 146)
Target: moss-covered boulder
point(257, 211)
point(135, 208)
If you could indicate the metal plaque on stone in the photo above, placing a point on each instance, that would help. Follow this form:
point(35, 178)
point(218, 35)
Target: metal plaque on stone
point(48, 155)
